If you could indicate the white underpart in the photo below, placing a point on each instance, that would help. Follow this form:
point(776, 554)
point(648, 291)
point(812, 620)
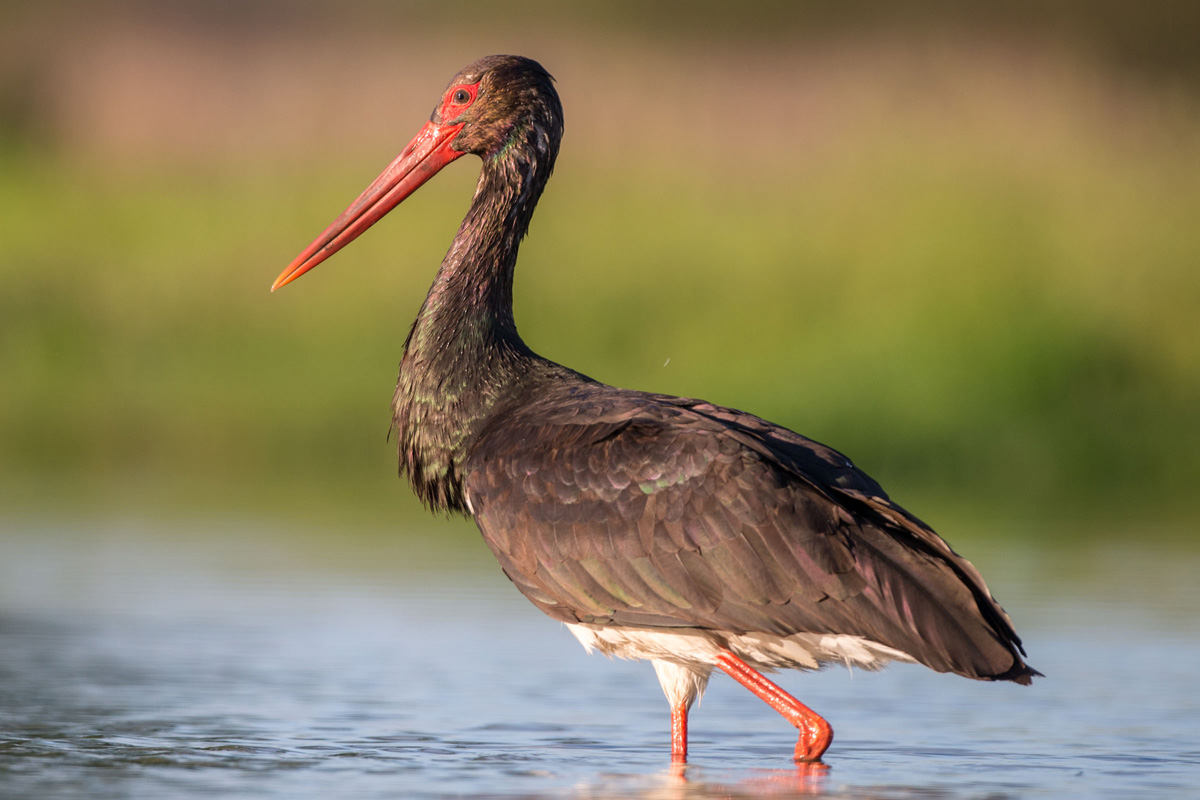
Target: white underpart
point(684, 657)
point(682, 685)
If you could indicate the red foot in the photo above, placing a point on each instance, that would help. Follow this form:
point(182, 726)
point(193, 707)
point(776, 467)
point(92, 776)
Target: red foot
point(815, 733)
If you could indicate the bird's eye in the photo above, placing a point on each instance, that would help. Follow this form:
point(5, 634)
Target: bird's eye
point(459, 98)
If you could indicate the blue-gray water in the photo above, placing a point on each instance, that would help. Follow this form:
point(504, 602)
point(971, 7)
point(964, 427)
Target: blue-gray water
point(149, 660)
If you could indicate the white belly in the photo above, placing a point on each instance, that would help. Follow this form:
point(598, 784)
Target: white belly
point(684, 658)
point(697, 649)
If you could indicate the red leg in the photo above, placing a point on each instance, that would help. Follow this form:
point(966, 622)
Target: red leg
point(679, 714)
point(815, 732)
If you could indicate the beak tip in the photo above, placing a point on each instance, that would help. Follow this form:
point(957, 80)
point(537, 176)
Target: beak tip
point(286, 277)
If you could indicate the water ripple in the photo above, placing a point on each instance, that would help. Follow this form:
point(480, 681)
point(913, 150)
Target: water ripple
point(179, 679)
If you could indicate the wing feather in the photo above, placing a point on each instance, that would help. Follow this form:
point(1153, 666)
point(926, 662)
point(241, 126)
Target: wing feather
point(642, 510)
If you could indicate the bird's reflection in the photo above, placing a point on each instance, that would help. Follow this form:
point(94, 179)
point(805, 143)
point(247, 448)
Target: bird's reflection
point(695, 782)
point(800, 780)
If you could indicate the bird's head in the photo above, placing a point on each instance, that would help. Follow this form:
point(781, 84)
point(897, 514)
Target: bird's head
point(498, 100)
point(499, 107)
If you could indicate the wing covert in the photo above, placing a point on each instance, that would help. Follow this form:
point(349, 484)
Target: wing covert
point(644, 513)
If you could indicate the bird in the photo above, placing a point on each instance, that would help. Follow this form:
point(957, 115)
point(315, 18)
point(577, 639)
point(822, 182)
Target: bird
point(660, 528)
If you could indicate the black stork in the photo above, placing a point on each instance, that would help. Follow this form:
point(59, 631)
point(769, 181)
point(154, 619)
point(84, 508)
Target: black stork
point(655, 527)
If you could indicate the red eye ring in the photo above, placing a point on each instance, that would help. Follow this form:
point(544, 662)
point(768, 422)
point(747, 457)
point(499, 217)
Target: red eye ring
point(459, 98)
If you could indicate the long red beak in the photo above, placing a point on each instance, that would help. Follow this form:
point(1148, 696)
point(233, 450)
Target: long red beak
point(427, 153)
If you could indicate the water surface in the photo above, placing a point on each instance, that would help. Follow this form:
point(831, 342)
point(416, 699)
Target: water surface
point(151, 660)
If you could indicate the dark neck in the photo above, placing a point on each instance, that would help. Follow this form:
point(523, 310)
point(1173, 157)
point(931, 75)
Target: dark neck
point(464, 359)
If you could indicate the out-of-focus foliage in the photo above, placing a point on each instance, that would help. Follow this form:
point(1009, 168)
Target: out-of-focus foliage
point(971, 265)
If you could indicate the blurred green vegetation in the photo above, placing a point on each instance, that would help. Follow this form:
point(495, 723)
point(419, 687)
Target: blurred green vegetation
point(995, 333)
point(984, 342)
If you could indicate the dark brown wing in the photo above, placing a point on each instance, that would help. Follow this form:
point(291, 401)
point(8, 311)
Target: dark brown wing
point(606, 506)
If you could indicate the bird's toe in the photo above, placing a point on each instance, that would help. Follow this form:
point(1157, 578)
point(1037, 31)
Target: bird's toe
point(815, 737)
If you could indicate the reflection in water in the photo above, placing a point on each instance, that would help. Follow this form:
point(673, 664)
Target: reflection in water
point(231, 662)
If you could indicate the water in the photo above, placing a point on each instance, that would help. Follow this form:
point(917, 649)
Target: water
point(161, 661)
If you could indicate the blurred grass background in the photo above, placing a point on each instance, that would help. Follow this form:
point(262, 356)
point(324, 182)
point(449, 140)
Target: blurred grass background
point(959, 243)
